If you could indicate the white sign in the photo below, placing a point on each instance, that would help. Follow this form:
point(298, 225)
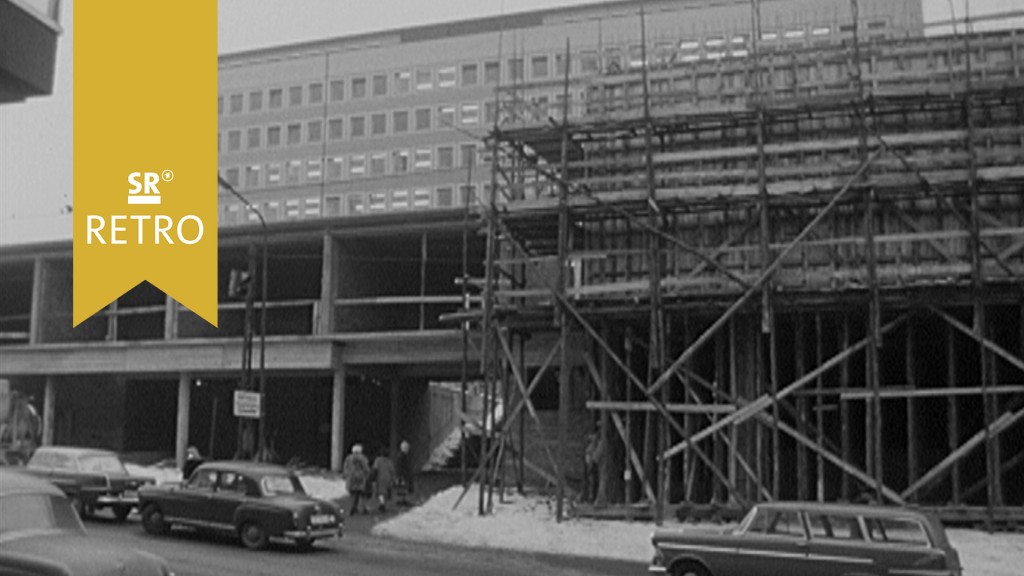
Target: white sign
point(248, 404)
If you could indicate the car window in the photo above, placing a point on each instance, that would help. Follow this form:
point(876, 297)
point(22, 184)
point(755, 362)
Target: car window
point(273, 485)
point(100, 463)
point(777, 522)
point(232, 482)
point(23, 512)
point(901, 531)
point(834, 526)
point(203, 479)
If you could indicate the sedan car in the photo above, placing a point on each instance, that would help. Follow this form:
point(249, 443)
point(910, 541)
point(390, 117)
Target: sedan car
point(258, 502)
point(812, 539)
point(92, 479)
point(40, 534)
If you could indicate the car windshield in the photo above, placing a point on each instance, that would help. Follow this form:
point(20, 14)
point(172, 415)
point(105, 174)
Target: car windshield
point(36, 512)
point(100, 463)
point(274, 485)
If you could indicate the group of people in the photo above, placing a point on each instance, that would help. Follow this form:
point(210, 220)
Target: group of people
point(381, 481)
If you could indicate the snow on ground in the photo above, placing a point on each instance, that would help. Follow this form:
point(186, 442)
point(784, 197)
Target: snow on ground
point(160, 474)
point(528, 524)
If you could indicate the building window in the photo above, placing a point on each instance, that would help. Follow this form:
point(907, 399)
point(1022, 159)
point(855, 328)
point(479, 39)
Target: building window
point(400, 121)
point(445, 116)
point(357, 165)
point(252, 138)
point(252, 177)
point(467, 155)
point(358, 88)
point(445, 157)
point(492, 72)
point(421, 197)
point(230, 215)
point(273, 174)
point(422, 119)
point(316, 93)
point(314, 170)
point(293, 172)
point(332, 206)
point(400, 200)
point(357, 126)
point(380, 85)
point(356, 203)
point(219, 135)
point(378, 164)
point(231, 175)
point(220, 105)
point(335, 129)
point(315, 131)
point(276, 98)
point(470, 114)
point(400, 161)
point(378, 201)
point(423, 159)
point(539, 67)
point(271, 211)
point(312, 206)
point(379, 124)
point(560, 65)
point(444, 197)
point(337, 90)
point(469, 75)
point(446, 77)
point(236, 104)
point(294, 134)
point(467, 193)
point(490, 112)
point(295, 96)
point(821, 31)
point(589, 62)
point(335, 166)
point(515, 69)
point(255, 101)
point(403, 82)
point(234, 141)
point(424, 79)
point(291, 208)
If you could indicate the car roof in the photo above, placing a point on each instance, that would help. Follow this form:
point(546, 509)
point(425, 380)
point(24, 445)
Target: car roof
point(75, 451)
point(245, 467)
point(839, 508)
point(14, 482)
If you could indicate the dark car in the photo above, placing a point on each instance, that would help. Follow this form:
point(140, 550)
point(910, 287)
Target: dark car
point(258, 502)
point(40, 534)
point(812, 539)
point(92, 479)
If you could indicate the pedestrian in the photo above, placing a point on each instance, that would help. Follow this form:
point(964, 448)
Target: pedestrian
point(192, 461)
point(384, 473)
point(592, 462)
point(356, 471)
point(406, 480)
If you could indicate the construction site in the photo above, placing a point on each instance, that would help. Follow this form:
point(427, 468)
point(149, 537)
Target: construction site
point(792, 274)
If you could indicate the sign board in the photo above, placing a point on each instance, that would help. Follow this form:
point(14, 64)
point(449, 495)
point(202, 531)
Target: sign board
point(248, 404)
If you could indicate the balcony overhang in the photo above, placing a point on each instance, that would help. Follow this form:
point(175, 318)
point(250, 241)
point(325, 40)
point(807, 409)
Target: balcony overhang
point(28, 48)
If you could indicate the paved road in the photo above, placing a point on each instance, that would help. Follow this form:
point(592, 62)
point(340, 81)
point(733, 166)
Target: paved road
point(358, 553)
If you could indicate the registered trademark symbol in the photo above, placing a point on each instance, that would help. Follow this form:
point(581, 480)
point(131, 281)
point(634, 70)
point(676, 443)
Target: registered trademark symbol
point(167, 175)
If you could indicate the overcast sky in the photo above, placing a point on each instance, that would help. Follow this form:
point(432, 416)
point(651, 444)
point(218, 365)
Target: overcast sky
point(35, 136)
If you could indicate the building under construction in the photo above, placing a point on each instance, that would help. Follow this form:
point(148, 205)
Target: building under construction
point(789, 272)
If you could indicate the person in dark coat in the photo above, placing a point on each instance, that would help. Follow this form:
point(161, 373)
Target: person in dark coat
point(406, 476)
point(356, 471)
point(384, 480)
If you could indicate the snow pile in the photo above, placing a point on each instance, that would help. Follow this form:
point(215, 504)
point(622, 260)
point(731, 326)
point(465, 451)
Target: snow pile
point(528, 524)
point(159, 474)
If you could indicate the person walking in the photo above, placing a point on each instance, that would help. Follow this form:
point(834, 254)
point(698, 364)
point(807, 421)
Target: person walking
point(384, 474)
point(356, 471)
point(406, 480)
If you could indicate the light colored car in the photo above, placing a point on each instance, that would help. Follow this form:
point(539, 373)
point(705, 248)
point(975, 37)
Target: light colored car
point(40, 534)
point(812, 539)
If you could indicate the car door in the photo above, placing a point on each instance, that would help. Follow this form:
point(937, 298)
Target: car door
point(775, 543)
point(837, 545)
point(229, 494)
point(191, 502)
point(898, 543)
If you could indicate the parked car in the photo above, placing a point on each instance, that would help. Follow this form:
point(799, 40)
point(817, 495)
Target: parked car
point(92, 479)
point(812, 539)
point(40, 534)
point(258, 502)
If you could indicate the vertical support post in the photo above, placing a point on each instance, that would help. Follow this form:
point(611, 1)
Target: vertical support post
point(953, 416)
point(338, 418)
point(328, 285)
point(912, 439)
point(181, 431)
point(394, 432)
point(844, 408)
point(819, 412)
point(800, 349)
point(37, 306)
point(604, 467)
point(423, 280)
point(49, 409)
point(170, 318)
point(564, 393)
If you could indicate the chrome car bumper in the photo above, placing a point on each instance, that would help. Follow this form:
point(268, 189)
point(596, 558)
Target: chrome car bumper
point(657, 569)
point(111, 500)
point(318, 533)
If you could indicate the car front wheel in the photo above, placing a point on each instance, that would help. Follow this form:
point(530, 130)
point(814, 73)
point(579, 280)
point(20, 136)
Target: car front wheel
point(253, 536)
point(690, 569)
point(153, 520)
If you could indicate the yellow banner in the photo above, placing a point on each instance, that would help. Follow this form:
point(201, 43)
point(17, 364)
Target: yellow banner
point(145, 120)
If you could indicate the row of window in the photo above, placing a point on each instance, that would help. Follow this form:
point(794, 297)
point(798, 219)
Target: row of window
point(350, 204)
point(467, 115)
point(540, 66)
point(352, 166)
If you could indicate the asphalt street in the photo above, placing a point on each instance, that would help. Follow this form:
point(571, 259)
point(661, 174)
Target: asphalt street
point(357, 553)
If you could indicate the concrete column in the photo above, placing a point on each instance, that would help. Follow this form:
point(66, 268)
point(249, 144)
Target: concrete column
point(395, 431)
point(338, 419)
point(170, 319)
point(328, 286)
point(49, 400)
point(181, 435)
